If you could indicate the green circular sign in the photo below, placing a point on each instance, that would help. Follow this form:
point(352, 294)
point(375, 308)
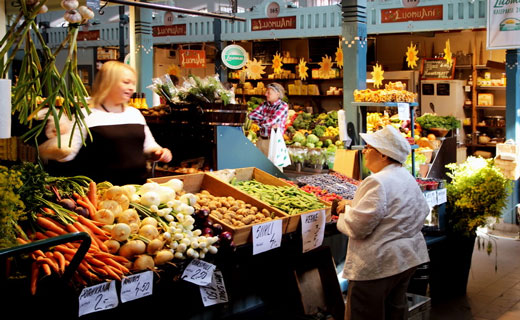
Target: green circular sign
point(234, 56)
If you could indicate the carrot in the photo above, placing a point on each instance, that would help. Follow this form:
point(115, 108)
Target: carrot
point(48, 210)
point(82, 228)
point(96, 262)
point(88, 223)
point(22, 241)
point(50, 225)
point(100, 271)
point(89, 207)
point(76, 195)
point(46, 269)
point(61, 260)
point(51, 234)
point(40, 236)
point(34, 277)
point(92, 193)
point(115, 264)
point(119, 259)
point(112, 273)
point(71, 228)
point(50, 262)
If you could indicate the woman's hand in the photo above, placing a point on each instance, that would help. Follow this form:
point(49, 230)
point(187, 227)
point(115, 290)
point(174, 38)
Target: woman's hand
point(342, 204)
point(162, 155)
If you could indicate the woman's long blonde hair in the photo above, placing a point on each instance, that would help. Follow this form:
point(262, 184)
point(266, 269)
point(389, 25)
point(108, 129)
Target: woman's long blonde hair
point(108, 75)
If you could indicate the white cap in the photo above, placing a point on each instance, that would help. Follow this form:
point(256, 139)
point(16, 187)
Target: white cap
point(389, 142)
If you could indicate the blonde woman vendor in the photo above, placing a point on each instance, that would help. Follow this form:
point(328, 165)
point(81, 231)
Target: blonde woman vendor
point(121, 140)
point(270, 114)
point(383, 223)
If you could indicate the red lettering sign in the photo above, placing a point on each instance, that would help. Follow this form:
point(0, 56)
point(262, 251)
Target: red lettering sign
point(172, 30)
point(193, 58)
point(88, 35)
point(411, 14)
point(273, 23)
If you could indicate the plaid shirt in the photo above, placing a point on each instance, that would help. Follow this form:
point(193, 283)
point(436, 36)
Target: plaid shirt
point(267, 115)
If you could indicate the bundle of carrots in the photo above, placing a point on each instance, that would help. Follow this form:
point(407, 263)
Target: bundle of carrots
point(97, 265)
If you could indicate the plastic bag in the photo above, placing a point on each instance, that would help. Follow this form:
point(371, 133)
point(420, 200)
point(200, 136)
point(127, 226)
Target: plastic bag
point(278, 153)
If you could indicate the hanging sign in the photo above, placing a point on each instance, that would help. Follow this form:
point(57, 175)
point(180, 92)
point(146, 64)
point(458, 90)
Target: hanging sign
point(411, 14)
point(91, 35)
point(403, 110)
point(215, 292)
point(273, 10)
point(98, 298)
point(173, 30)
point(136, 286)
point(234, 56)
point(193, 58)
point(199, 272)
point(503, 24)
point(273, 23)
point(267, 236)
point(313, 229)
point(441, 196)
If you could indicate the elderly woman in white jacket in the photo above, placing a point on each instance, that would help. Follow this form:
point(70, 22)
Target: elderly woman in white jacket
point(383, 223)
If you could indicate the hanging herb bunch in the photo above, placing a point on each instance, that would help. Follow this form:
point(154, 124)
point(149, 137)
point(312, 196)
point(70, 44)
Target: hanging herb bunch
point(63, 91)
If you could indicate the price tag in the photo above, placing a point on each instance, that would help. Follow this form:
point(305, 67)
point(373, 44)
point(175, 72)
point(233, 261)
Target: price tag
point(93, 4)
point(267, 236)
point(215, 292)
point(98, 298)
point(199, 272)
point(442, 196)
point(313, 229)
point(431, 198)
point(136, 286)
point(403, 110)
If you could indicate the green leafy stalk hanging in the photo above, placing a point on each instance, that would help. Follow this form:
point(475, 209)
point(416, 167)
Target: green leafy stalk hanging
point(64, 92)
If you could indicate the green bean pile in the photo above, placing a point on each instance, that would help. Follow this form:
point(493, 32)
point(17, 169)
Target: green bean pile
point(289, 199)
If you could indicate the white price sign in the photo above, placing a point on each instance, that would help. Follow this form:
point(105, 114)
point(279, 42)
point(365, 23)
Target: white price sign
point(136, 286)
point(403, 110)
point(215, 292)
point(199, 272)
point(267, 236)
point(431, 198)
point(98, 298)
point(442, 196)
point(313, 229)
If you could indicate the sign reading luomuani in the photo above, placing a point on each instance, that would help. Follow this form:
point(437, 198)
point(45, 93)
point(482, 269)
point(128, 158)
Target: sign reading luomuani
point(273, 23)
point(411, 14)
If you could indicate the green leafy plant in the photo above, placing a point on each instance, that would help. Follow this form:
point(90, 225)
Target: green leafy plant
point(478, 190)
point(428, 121)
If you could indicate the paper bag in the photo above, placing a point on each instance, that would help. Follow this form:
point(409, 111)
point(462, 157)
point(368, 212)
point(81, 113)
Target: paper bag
point(278, 153)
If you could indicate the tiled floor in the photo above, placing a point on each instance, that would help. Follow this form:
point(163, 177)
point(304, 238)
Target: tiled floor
point(490, 295)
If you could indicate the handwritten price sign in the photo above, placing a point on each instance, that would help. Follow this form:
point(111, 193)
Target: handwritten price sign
point(199, 272)
point(98, 298)
point(215, 292)
point(267, 236)
point(441, 196)
point(136, 286)
point(431, 198)
point(313, 229)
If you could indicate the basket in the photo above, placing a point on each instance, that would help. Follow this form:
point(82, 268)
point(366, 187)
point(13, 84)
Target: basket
point(211, 114)
point(439, 132)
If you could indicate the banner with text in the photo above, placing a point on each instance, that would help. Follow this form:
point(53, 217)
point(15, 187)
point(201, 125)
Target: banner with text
point(193, 58)
point(411, 14)
point(273, 23)
point(503, 24)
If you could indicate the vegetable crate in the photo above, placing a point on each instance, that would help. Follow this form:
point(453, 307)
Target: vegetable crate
point(249, 173)
point(194, 183)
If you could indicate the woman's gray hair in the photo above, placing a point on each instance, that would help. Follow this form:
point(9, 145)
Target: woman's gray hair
point(278, 88)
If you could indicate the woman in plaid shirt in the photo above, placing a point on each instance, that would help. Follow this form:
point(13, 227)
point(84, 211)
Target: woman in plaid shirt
point(270, 114)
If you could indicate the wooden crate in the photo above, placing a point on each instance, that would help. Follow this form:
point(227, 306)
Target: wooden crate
point(196, 182)
point(243, 174)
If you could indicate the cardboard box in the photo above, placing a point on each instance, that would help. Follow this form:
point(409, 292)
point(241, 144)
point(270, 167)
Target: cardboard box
point(244, 174)
point(194, 183)
point(347, 162)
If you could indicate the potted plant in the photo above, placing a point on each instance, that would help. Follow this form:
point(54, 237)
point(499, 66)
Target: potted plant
point(477, 191)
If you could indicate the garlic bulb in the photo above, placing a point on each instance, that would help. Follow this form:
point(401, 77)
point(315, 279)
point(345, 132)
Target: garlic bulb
point(73, 16)
point(86, 13)
point(69, 4)
point(43, 9)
